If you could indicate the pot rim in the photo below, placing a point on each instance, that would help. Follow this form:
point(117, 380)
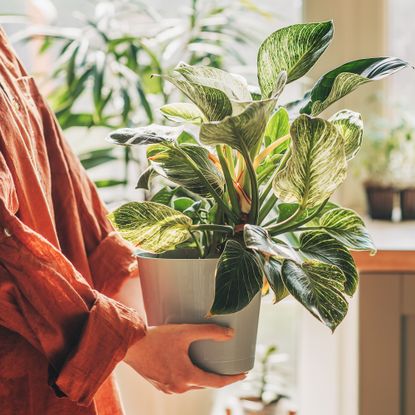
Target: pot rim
point(148, 256)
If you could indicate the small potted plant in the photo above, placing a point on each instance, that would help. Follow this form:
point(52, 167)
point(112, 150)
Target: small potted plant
point(251, 176)
point(389, 169)
point(266, 385)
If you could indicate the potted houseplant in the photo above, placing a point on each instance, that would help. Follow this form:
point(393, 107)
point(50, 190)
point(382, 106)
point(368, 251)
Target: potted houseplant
point(388, 163)
point(266, 386)
point(251, 209)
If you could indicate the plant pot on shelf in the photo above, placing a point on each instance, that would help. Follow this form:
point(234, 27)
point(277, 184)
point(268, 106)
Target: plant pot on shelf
point(179, 288)
point(380, 201)
point(407, 197)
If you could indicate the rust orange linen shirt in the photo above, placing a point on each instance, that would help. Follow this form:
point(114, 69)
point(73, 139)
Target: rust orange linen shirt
point(61, 334)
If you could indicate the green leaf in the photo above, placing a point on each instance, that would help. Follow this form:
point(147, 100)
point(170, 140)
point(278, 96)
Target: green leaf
point(318, 287)
point(151, 226)
point(186, 138)
point(350, 126)
point(182, 203)
point(213, 103)
point(272, 269)
point(242, 132)
point(323, 247)
point(238, 279)
point(183, 112)
point(294, 49)
point(173, 163)
point(317, 164)
point(234, 86)
point(99, 71)
point(97, 157)
point(151, 134)
point(278, 126)
point(258, 239)
point(346, 78)
point(145, 178)
point(164, 196)
point(348, 228)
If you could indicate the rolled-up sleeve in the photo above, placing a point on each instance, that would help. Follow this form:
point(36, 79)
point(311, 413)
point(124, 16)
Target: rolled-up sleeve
point(82, 332)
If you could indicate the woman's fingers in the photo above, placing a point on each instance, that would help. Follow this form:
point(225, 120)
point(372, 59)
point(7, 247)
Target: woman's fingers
point(194, 332)
point(210, 380)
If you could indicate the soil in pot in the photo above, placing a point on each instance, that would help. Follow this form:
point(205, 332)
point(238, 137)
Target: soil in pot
point(380, 201)
point(179, 288)
point(407, 197)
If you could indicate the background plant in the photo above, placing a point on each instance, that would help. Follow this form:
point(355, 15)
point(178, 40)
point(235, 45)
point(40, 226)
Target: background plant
point(101, 75)
point(388, 155)
point(254, 187)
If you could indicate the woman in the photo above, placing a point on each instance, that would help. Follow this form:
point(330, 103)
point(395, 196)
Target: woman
point(62, 267)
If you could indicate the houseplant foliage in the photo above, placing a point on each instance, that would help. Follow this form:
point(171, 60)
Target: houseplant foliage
point(254, 186)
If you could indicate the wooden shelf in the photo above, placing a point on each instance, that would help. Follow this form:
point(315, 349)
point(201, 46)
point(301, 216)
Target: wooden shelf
point(386, 261)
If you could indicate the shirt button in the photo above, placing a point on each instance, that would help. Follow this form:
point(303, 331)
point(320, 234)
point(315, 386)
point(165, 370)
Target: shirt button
point(7, 233)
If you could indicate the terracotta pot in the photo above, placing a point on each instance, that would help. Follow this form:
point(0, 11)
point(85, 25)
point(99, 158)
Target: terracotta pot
point(380, 202)
point(179, 289)
point(408, 204)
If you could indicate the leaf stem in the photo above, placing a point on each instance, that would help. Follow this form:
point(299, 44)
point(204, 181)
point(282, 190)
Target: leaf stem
point(229, 182)
point(266, 151)
point(277, 227)
point(253, 213)
point(197, 242)
point(212, 227)
point(212, 191)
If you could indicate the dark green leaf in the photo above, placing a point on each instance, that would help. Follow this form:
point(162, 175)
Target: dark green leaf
point(323, 247)
point(238, 279)
point(318, 287)
point(346, 78)
point(272, 269)
point(145, 178)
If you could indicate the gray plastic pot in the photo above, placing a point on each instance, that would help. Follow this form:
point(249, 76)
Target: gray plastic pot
point(178, 290)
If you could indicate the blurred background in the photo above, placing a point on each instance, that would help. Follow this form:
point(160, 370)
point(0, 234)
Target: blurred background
point(94, 60)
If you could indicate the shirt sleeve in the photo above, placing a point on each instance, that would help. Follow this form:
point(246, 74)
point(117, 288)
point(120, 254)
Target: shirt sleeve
point(111, 259)
point(82, 332)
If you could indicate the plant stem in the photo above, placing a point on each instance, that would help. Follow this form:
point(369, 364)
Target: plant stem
point(197, 242)
point(229, 182)
point(267, 207)
point(264, 153)
point(268, 169)
point(293, 227)
point(212, 191)
point(253, 213)
point(212, 227)
point(279, 226)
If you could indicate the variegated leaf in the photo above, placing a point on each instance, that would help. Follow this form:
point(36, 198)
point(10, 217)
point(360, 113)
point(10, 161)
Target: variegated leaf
point(258, 239)
point(242, 132)
point(272, 269)
point(213, 103)
point(173, 163)
point(183, 112)
point(151, 226)
point(346, 78)
point(317, 164)
point(151, 134)
point(348, 228)
point(238, 278)
point(145, 178)
point(294, 49)
point(234, 86)
point(318, 287)
point(323, 247)
point(350, 126)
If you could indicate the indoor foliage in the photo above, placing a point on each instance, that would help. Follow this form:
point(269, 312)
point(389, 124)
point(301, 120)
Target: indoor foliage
point(254, 187)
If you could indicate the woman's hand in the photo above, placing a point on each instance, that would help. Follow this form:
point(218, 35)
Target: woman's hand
point(162, 357)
